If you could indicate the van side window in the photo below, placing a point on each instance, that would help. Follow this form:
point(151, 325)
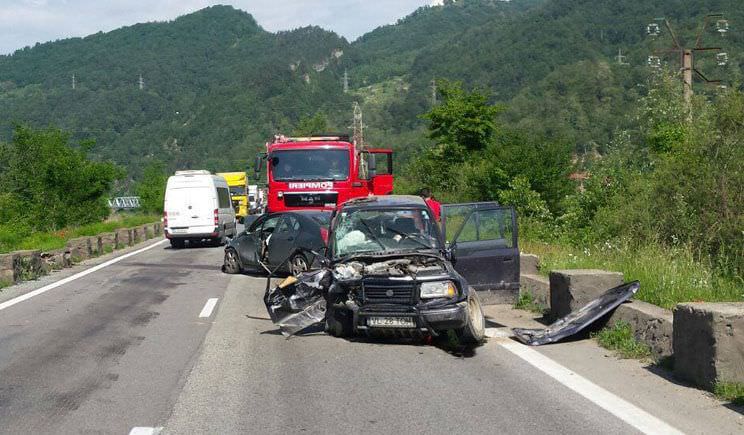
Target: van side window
point(223, 197)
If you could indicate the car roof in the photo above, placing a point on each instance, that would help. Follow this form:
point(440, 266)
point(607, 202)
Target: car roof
point(385, 201)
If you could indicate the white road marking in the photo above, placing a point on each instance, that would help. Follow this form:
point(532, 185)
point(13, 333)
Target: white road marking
point(142, 430)
point(620, 408)
point(208, 307)
point(71, 278)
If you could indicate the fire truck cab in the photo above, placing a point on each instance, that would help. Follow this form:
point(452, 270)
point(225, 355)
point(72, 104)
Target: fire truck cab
point(320, 172)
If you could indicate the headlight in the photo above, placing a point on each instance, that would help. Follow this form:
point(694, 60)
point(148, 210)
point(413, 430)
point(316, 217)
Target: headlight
point(438, 289)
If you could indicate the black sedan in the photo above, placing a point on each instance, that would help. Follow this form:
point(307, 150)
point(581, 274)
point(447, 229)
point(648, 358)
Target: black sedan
point(271, 238)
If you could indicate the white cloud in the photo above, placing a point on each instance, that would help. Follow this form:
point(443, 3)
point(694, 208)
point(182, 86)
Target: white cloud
point(25, 22)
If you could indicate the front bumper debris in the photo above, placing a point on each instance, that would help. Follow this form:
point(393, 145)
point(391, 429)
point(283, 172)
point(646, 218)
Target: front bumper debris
point(579, 319)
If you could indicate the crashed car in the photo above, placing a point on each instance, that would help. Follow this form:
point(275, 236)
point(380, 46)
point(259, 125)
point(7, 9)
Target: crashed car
point(387, 271)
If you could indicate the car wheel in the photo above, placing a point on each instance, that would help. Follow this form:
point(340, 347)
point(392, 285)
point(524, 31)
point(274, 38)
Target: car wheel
point(339, 323)
point(177, 243)
point(231, 263)
point(474, 330)
point(298, 264)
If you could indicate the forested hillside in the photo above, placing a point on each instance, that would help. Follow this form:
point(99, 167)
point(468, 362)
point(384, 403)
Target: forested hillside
point(216, 84)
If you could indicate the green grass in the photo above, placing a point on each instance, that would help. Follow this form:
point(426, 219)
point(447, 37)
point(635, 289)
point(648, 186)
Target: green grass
point(5, 283)
point(620, 339)
point(668, 275)
point(527, 302)
point(730, 391)
point(11, 240)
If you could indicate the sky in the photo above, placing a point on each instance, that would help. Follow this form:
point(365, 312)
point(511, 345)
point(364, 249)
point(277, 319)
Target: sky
point(26, 22)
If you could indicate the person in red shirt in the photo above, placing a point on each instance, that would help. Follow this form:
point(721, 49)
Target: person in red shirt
point(433, 204)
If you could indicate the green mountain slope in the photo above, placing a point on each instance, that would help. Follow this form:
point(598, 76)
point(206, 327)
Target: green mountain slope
point(216, 84)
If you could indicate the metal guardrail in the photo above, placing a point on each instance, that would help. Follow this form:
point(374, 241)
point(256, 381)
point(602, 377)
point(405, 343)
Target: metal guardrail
point(124, 202)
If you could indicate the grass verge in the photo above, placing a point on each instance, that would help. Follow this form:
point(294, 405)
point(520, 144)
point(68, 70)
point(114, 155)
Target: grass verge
point(730, 391)
point(11, 240)
point(668, 275)
point(527, 302)
point(619, 338)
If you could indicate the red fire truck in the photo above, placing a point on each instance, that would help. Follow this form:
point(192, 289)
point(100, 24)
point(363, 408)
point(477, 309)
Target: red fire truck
point(319, 172)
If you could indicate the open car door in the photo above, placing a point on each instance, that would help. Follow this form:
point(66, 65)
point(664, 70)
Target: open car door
point(486, 253)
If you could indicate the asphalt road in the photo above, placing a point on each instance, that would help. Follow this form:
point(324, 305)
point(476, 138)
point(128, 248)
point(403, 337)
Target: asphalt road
point(125, 347)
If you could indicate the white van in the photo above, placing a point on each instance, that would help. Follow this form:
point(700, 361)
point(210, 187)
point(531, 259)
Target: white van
point(198, 206)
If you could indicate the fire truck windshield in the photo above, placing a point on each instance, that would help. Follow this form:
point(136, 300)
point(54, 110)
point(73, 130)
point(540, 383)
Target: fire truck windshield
point(328, 164)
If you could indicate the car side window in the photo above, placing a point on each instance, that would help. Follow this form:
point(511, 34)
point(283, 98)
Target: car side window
point(284, 226)
point(223, 197)
point(270, 224)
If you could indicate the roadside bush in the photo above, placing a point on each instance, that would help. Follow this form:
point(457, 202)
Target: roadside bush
point(151, 189)
point(48, 184)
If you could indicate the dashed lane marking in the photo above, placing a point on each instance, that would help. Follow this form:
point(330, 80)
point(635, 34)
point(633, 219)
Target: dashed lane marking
point(208, 307)
point(620, 408)
point(71, 278)
point(142, 430)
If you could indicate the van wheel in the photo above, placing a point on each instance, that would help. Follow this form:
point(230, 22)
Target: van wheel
point(231, 263)
point(177, 243)
point(474, 330)
point(297, 265)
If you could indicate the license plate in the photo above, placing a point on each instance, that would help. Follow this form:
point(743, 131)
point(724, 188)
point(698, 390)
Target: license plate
point(179, 230)
point(391, 322)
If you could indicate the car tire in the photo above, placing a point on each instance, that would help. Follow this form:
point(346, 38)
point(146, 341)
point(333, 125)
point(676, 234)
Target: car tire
point(177, 243)
point(298, 264)
point(474, 331)
point(339, 323)
point(231, 264)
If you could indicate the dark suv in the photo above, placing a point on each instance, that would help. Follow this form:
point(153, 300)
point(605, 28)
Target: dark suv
point(389, 269)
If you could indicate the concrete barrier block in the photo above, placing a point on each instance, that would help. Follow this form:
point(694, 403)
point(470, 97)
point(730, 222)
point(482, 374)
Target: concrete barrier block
point(96, 246)
point(709, 342)
point(650, 324)
point(158, 229)
point(572, 289)
point(108, 242)
point(9, 265)
point(29, 265)
point(56, 260)
point(79, 248)
point(136, 235)
point(529, 264)
point(124, 237)
point(538, 286)
point(147, 232)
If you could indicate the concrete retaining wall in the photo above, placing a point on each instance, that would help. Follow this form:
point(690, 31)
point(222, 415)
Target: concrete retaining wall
point(23, 265)
point(706, 340)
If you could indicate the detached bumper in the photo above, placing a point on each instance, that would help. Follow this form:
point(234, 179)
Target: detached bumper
point(425, 320)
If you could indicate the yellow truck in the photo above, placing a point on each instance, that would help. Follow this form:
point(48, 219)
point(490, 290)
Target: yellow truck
point(236, 181)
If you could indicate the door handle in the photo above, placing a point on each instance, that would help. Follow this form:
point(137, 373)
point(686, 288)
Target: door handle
point(508, 260)
point(290, 239)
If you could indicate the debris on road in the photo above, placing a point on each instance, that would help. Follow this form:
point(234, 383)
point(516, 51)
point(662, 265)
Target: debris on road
point(578, 319)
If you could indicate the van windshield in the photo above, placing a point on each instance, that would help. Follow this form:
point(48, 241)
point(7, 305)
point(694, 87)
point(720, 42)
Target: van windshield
point(316, 165)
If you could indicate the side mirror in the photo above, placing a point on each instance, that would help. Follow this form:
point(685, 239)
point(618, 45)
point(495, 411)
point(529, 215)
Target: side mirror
point(371, 166)
point(257, 166)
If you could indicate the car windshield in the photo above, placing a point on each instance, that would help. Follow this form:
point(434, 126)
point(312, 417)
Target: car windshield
point(237, 191)
point(313, 164)
point(381, 231)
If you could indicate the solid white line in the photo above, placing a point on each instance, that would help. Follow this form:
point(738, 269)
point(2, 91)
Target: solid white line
point(208, 307)
point(142, 430)
point(71, 278)
point(620, 408)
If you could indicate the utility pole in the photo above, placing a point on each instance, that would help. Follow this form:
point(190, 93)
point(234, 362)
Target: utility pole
point(346, 82)
point(358, 126)
point(621, 57)
point(73, 81)
point(686, 54)
point(434, 92)
point(141, 82)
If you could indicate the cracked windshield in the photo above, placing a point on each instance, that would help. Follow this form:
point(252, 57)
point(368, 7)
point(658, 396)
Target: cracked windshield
point(310, 165)
point(379, 231)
